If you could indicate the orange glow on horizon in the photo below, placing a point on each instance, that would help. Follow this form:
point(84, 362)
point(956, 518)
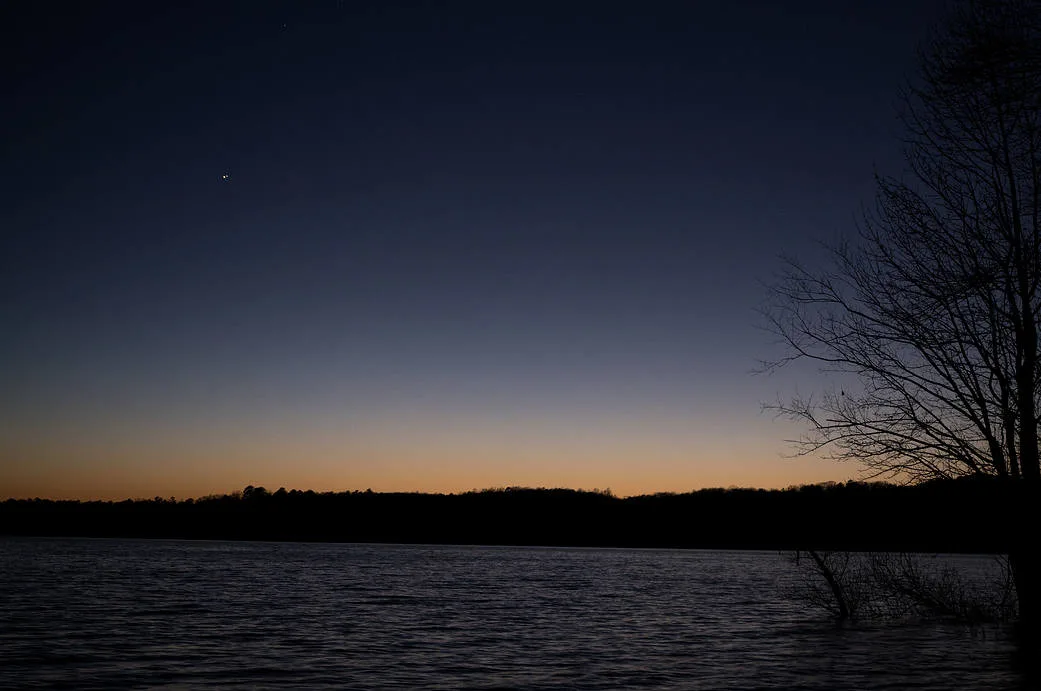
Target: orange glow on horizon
point(96, 481)
point(629, 454)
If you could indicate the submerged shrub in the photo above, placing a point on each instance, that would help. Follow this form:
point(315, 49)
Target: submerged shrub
point(857, 585)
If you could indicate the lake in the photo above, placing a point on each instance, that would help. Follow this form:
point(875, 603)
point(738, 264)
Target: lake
point(112, 614)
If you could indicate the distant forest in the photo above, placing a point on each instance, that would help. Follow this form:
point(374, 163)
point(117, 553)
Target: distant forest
point(939, 516)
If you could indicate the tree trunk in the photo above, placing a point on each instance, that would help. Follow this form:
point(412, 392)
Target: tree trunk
point(1025, 558)
point(837, 591)
point(1025, 570)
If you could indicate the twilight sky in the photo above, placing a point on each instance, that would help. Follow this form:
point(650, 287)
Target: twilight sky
point(422, 246)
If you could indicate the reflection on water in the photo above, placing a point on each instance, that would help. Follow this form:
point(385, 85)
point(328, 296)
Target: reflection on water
point(122, 613)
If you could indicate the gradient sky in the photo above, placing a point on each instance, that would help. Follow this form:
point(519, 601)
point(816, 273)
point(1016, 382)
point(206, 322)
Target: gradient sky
point(460, 245)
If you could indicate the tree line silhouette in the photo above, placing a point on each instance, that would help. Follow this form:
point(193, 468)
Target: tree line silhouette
point(851, 515)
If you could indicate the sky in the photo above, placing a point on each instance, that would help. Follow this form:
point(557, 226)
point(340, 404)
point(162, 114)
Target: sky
point(341, 245)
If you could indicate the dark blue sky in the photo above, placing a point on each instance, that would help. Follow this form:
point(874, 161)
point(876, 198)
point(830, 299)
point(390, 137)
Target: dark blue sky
point(460, 244)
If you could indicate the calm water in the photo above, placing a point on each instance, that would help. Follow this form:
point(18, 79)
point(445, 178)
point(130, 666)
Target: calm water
point(120, 614)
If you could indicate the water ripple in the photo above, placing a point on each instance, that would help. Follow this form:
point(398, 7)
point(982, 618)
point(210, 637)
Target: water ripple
point(112, 614)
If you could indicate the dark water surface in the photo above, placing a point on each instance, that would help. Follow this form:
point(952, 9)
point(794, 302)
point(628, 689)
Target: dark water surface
point(113, 614)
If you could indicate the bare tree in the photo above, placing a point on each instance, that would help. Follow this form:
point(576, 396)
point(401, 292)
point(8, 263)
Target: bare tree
point(931, 312)
point(851, 585)
point(836, 582)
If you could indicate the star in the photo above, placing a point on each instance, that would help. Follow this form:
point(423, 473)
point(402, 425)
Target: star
point(225, 177)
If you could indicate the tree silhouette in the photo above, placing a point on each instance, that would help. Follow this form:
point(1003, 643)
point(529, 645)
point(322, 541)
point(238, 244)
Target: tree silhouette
point(929, 316)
